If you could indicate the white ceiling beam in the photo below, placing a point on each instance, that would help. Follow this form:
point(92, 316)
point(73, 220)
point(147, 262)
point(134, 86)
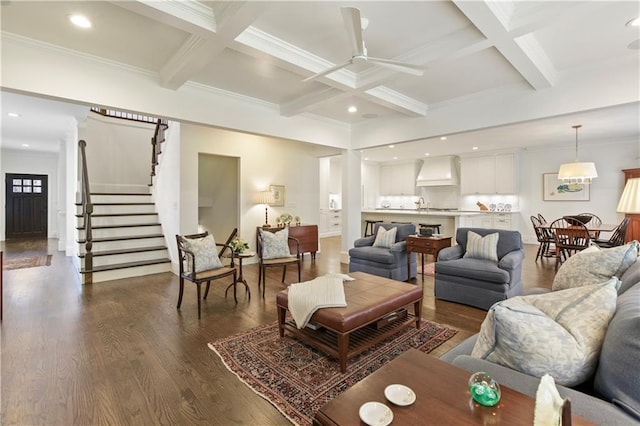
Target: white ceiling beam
point(308, 101)
point(523, 53)
point(190, 16)
point(211, 31)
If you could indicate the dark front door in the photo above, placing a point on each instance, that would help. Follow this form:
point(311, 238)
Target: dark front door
point(26, 206)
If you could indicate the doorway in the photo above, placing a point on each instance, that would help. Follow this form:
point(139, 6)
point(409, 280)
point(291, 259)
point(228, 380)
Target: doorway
point(26, 206)
point(218, 194)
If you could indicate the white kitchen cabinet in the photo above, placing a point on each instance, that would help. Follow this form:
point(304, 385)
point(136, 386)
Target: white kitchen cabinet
point(398, 179)
point(493, 174)
point(488, 221)
point(330, 222)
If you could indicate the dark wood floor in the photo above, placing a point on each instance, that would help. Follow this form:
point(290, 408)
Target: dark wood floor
point(120, 353)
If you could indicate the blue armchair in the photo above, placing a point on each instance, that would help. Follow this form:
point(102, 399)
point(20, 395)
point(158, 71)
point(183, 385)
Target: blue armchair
point(480, 282)
point(381, 261)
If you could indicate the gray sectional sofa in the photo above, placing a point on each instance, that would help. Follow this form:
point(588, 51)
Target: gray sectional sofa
point(611, 396)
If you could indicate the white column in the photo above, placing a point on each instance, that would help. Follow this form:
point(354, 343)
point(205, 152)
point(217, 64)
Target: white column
point(351, 192)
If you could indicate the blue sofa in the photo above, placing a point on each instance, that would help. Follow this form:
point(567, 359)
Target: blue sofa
point(612, 395)
point(384, 262)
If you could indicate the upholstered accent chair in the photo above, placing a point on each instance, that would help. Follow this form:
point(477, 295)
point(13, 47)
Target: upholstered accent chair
point(386, 258)
point(480, 274)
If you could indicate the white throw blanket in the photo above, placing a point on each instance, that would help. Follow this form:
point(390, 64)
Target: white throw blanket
point(307, 297)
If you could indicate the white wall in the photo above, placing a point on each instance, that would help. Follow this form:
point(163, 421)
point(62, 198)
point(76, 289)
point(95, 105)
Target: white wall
point(610, 158)
point(38, 163)
point(118, 152)
point(264, 161)
point(166, 187)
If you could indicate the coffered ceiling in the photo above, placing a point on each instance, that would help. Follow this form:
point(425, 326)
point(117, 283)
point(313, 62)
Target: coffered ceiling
point(471, 51)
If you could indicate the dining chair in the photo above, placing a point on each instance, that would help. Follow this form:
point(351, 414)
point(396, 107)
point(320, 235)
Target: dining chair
point(542, 219)
point(544, 236)
point(618, 236)
point(199, 263)
point(569, 239)
point(274, 251)
point(594, 221)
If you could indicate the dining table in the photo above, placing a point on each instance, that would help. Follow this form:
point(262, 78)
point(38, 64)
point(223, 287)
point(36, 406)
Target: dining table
point(603, 227)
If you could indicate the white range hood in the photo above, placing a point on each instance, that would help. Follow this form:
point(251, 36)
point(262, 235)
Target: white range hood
point(438, 171)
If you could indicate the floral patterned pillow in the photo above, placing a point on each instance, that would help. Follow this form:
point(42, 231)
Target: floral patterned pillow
point(594, 265)
point(559, 333)
point(275, 245)
point(205, 252)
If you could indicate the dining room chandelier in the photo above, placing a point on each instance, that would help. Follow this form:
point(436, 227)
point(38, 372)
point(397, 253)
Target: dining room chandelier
point(577, 172)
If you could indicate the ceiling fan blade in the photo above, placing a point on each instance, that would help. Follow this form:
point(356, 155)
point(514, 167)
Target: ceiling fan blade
point(353, 24)
point(328, 71)
point(398, 66)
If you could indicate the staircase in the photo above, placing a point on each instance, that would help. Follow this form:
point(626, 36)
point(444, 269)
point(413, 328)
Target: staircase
point(127, 237)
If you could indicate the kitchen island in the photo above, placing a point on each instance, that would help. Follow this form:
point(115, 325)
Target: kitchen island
point(449, 220)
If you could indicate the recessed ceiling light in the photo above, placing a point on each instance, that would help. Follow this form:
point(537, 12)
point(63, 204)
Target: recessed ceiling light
point(443, 138)
point(26, 145)
point(475, 148)
point(395, 158)
point(80, 21)
point(392, 146)
point(366, 158)
point(13, 114)
point(426, 154)
point(352, 109)
point(633, 23)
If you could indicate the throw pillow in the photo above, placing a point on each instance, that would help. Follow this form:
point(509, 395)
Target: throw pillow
point(275, 244)
point(559, 333)
point(385, 238)
point(205, 252)
point(620, 356)
point(595, 265)
point(482, 247)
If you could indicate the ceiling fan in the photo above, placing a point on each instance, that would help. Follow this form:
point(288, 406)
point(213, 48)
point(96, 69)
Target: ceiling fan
point(353, 24)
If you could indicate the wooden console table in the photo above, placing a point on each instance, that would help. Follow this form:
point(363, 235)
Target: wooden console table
point(425, 245)
point(307, 236)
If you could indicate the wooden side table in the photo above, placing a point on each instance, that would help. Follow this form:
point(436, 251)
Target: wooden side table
point(425, 245)
point(240, 257)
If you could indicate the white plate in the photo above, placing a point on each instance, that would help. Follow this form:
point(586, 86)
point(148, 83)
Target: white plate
point(400, 394)
point(375, 414)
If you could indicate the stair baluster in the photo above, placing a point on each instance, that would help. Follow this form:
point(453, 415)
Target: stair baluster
point(87, 211)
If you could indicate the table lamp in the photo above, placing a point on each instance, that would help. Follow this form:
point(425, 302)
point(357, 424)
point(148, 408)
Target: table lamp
point(630, 205)
point(266, 198)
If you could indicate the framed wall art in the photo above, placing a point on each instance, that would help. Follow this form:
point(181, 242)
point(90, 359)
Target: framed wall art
point(553, 189)
point(278, 195)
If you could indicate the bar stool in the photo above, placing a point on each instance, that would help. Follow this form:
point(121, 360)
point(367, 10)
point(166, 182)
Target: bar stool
point(369, 226)
point(435, 227)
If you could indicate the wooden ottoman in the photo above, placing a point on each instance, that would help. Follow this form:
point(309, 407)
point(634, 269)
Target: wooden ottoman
point(374, 311)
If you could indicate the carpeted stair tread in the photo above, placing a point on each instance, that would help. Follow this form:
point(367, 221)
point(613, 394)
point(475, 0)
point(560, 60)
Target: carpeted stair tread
point(122, 193)
point(127, 265)
point(123, 238)
point(119, 204)
point(119, 214)
point(125, 251)
point(129, 225)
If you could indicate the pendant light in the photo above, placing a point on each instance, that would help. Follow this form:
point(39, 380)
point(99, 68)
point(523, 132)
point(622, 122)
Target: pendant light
point(577, 172)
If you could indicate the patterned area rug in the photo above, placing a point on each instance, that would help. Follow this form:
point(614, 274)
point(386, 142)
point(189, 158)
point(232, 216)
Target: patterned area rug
point(26, 262)
point(429, 269)
point(298, 379)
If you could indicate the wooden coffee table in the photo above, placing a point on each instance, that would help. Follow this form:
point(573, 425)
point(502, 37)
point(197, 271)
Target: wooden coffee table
point(371, 300)
point(442, 397)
